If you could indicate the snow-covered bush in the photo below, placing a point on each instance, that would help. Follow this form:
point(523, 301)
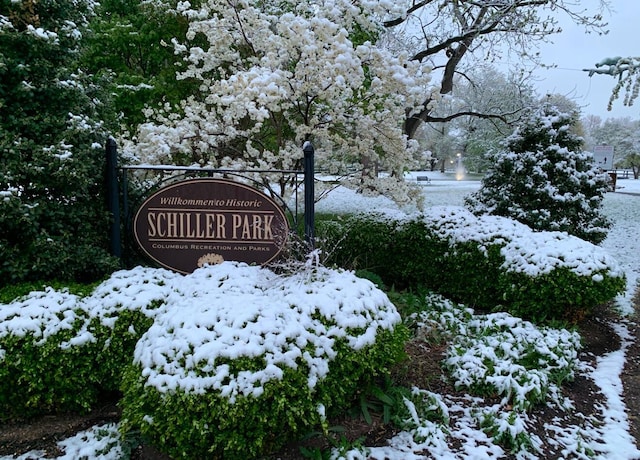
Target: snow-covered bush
point(231, 358)
point(241, 359)
point(121, 309)
point(40, 368)
point(59, 350)
point(512, 358)
point(495, 261)
point(543, 179)
point(487, 261)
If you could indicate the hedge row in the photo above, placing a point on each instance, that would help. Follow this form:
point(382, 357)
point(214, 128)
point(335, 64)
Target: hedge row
point(486, 262)
point(229, 362)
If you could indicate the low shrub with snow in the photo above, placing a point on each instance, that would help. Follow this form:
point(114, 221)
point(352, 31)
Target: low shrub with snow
point(422, 410)
point(241, 359)
point(487, 261)
point(501, 355)
point(40, 369)
point(534, 274)
point(231, 361)
point(121, 309)
point(58, 350)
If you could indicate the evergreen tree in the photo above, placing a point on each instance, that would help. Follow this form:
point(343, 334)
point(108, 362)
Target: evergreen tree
point(53, 221)
point(543, 179)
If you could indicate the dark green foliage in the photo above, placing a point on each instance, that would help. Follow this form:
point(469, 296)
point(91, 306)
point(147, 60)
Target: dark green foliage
point(209, 426)
point(543, 179)
point(60, 372)
point(43, 377)
point(571, 297)
point(412, 255)
point(632, 161)
point(129, 46)
point(15, 291)
point(344, 238)
point(373, 277)
point(53, 222)
point(117, 344)
point(519, 442)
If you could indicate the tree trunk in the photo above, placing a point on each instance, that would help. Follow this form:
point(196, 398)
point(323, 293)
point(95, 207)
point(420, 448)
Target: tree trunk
point(369, 169)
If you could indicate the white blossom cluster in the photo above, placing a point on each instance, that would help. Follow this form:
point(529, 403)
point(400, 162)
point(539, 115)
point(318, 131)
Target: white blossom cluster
point(274, 74)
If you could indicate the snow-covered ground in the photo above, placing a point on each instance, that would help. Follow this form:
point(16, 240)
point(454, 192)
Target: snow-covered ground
point(605, 438)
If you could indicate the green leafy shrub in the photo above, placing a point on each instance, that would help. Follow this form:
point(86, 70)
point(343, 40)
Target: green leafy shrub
point(420, 407)
point(348, 241)
point(499, 354)
point(208, 425)
point(512, 358)
point(118, 341)
point(254, 359)
point(53, 216)
point(120, 310)
point(43, 367)
point(507, 428)
point(572, 297)
point(488, 262)
point(15, 291)
point(59, 351)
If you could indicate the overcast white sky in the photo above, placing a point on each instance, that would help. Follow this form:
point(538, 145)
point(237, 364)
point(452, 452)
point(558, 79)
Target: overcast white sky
point(574, 50)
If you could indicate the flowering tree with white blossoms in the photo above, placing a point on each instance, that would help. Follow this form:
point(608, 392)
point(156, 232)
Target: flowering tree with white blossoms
point(278, 73)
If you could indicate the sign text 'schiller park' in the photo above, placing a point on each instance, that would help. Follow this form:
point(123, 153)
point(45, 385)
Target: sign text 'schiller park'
point(206, 221)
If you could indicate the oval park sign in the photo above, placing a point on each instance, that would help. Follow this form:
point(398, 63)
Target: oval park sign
point(206, 221)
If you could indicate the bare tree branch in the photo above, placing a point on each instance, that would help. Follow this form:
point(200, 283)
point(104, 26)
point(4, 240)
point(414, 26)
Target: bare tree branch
point(456, 28)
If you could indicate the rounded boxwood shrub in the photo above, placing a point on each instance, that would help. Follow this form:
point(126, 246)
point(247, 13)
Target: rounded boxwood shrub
point(121, 309)
point(59, 351)
point(43, 368)
point(247, 359)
